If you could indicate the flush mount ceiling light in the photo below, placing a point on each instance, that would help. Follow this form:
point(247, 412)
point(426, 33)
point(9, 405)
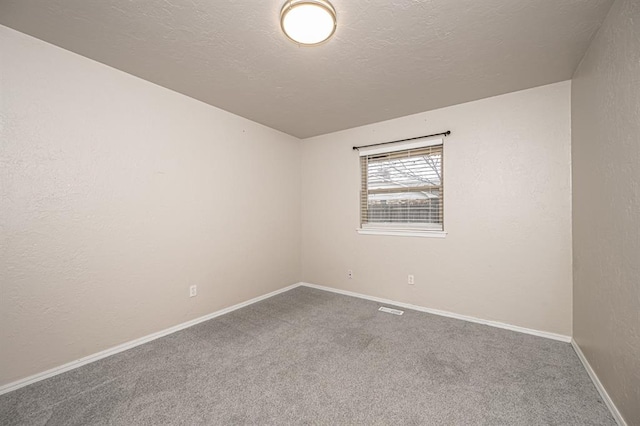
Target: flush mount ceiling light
point(308, 22)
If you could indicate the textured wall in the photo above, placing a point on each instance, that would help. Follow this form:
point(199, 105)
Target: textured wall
point(116, 195)
point(507, 256)
point(606, 206)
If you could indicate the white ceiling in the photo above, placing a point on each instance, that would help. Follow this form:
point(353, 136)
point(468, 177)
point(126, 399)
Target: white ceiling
point(388, 58)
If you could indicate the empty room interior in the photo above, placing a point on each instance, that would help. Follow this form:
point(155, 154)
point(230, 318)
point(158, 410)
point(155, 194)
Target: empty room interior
point(340, 212)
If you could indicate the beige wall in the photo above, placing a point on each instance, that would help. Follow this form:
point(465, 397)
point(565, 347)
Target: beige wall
point(116, 195)
point(507, 256)
point(606, 206)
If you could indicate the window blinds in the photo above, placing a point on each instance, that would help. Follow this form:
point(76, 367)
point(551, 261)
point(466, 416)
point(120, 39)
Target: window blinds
point(402, 189)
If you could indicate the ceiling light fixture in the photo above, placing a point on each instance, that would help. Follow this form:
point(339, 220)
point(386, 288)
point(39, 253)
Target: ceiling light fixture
point(308, 22)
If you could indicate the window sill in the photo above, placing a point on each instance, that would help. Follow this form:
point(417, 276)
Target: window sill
point(402, 232)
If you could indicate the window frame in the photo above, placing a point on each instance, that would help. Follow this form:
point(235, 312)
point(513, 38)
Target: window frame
point(402, 229)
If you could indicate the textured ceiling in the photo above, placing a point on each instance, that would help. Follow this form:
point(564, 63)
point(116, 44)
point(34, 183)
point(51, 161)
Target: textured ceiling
point(387, 58)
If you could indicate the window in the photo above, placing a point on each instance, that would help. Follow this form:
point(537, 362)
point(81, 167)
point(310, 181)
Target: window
point(402, 189)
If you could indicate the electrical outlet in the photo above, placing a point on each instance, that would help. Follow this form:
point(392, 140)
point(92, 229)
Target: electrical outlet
point(193, 291)
point(410, 280)
point(350, 274)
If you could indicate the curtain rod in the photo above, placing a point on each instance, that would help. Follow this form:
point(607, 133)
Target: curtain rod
point(447, 133)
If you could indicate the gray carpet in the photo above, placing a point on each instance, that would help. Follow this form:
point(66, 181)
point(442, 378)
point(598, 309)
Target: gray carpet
point(313, 357)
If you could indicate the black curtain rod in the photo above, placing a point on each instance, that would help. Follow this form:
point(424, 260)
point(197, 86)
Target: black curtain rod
point(447, 133)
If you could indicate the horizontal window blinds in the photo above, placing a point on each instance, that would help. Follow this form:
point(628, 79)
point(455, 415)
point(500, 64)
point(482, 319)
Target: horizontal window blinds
point(403, 188)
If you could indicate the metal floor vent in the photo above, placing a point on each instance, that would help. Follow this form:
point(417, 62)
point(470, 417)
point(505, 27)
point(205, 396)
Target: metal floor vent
point(391, 311)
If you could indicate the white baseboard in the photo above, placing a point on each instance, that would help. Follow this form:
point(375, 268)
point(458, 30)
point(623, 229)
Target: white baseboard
point(137, 342)
point(596, 382)
point(539, 333)
point(132, 344)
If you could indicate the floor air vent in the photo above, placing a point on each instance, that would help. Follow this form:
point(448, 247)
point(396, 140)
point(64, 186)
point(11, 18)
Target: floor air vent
point(391, 311)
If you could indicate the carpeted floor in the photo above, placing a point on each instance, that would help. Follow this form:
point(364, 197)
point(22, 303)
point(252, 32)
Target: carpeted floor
point(313, 357)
